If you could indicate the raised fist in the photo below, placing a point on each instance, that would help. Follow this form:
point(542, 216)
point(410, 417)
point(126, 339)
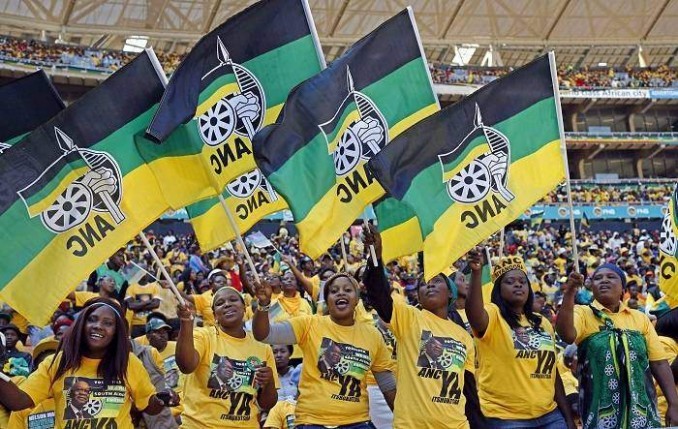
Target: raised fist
point(246, 106)
point(100, 180)
point(369, 132)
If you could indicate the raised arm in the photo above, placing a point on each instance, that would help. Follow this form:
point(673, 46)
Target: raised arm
point(301, 278)
point(277, 333)
point(374, 278)
point(475, 307)
point(663, 374)
point(187, 357)
point(13, 398)
point(565, 321)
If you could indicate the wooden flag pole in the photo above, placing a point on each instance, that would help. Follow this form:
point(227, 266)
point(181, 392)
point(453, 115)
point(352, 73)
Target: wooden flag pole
point(157, 260)
point(373, 253)
point(501, 243)
point(238, 237)
point(563, 149)
point(343, 252)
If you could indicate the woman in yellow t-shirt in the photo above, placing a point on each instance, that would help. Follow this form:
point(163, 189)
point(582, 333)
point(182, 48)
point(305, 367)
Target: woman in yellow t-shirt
point(93, 378)
point(619, 353)
point(436, 357)
point(667, 329)
point(338, 352)
point(230, 376)
point(518, 380)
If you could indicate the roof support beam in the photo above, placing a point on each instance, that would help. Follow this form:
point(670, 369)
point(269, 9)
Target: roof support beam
point(68, 12)
point(557, 20)
point(213, 14)
point(450, 21)
point(650, 27)
point(337, 20)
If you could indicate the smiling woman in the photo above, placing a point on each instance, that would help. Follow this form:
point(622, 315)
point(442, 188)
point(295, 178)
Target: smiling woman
point(92, 369)
point(619, 353)
point(338, 352)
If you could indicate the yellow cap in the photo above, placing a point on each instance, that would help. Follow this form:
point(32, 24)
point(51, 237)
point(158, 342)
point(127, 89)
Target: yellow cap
point(506, 264)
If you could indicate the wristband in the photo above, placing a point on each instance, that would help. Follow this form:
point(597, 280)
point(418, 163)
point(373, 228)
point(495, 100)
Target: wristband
point(264, 307)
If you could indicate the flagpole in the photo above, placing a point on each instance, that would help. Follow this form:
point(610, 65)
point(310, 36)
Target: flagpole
point(373, 253)
point(157, 260)
point(563, 149)
point(144, 270)
point(501, 243)
point(343, 252)
point(238, 237)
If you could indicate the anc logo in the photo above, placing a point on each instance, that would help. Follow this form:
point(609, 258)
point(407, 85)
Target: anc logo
point(487, 172)
point(246, 184)
point(668, 243)
point(98, 189)
point(241, 108)
point(357, 130)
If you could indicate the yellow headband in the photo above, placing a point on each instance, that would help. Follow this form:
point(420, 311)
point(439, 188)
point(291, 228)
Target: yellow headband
point(506, 264)
point(214, 295)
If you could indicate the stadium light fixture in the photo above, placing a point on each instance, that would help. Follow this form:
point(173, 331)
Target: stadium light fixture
point(135, 44)
point(602, 64)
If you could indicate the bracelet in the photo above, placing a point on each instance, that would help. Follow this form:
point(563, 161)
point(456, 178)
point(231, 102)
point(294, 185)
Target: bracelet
point(264, 307)
point(190, 319)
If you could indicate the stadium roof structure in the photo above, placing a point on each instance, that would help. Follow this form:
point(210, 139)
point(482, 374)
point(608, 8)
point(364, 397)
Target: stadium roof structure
point(472, 32)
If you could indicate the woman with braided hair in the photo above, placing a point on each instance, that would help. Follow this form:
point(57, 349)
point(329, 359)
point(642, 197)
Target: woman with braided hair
point(93, 378)
point(516, 351)
point(338, 352)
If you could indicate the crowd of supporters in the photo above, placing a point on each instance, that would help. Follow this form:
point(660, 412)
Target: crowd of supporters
point(244, 348)
point(44, 54)
point(614, 193)
point(569, 77)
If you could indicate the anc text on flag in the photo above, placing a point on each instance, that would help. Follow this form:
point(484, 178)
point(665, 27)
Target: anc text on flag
point(75, 190)
point(235, 81)
point(474, 167)
point(249, 198)
point(331, 124)
point(27, 103)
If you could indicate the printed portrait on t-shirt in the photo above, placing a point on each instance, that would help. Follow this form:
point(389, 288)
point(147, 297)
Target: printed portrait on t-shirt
point(440, 352)
point(171, 372)
point(233, 375)
point(526, 338)
point(342, 359)
point(90, 398)
point(143, 297)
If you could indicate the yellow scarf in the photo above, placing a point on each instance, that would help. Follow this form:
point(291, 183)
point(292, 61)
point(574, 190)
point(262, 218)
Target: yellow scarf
point(290, 305)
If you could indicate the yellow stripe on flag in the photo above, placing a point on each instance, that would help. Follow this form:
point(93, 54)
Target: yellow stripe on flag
point(59, 256)
point(350, 118)
point(218, 95)
point(475, 153)
point(668, 278)
point(451, 233)
point(40, 206)
point(402, 239)
point(406, 123)
point(195, 176)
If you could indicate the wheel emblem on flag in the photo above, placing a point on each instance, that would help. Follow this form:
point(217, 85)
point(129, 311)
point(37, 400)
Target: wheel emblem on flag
point(3, 147)
point(248, 183)
point(98, 189)
point(356, 132)
point(668, 243)
point(241, 112)
point(487, 173)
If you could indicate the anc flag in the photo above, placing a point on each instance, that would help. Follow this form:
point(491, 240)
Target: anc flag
point(233, 82)
point(28, 103)
point(585, 221)
point(668, 279)
point(474, 167)
point(249, 198)
point(315, 154)
point(75, 190)
point(536, 218)
point(399, 228)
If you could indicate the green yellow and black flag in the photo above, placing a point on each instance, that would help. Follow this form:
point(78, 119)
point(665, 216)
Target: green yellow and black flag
point(474, 167)
point(585, 221)
point(399, 228)
point(28, 102)
point(315, 154)
point(235, 81)
point(668, 262)
point(75, 190)
point(250, 197)
point(536, 218)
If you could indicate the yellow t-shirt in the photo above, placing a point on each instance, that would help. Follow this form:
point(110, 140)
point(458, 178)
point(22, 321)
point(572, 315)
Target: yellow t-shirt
point(137, 292)
point(281, 416)
point(229, 401)
point(278, 313)
point(203, 306)
point(40, 417)
point(81, 297)
point(433, 354)
point(671, 347)
point(516, 368)
point(333, 389)
point(570, 382)
point(104, 405)
point(586, 323)
point(315, 287)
